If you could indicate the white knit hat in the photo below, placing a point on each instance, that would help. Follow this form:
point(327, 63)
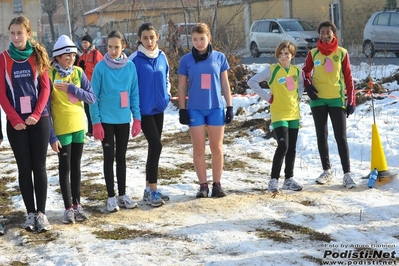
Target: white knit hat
point(64, 45)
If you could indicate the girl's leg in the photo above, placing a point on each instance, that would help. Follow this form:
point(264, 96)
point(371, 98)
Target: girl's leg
point(152, 129)
point(108, 152)
point(19, 142)
point(39, 138)
point(64, 171)
point(282, 147)
point(320, 116)
point(121, 137)
point(76, 156)
point(338, 120)
point(198, 139)
point(216, 134)
point(291, 152)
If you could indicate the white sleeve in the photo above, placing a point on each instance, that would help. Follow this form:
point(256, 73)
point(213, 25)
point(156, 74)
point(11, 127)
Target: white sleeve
point(253, 83)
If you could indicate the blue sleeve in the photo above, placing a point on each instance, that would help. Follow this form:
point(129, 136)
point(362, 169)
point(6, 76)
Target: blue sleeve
point(134, 95)
point(53, 137)
point(85, 93)
point(183, 66)
point(96, 86)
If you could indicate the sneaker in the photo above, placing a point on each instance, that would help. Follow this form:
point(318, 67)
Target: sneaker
point(111, 205)
point(217, 190)
point(69, 217)
point(348, 181)
point(325, 177)
point(30, 222)
point(146, 194)
point(273, 185)
point(291, 184)
point(80, 214)
point(1, 230)
point(154, 198)
point(42, 223)
point(126, 201)
point(203, 191)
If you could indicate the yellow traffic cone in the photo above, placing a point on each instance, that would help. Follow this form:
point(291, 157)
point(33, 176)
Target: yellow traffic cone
point(378, 160)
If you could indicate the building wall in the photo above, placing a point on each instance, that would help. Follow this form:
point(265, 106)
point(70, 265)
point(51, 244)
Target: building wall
point(30, 8)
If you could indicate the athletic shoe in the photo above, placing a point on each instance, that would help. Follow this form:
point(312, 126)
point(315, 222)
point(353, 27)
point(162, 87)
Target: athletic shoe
point(154, 198)
point(325, 177)
point(217, 190)
point(348, 182)
point(291, 184)
point(203, 191)
point(112, 206)
point(80, 214)
point(1, 230)
point(126, 201)
point(69, 217)
point(42, 223)
point(273, 185)
point(146, 194)
point(30, 222)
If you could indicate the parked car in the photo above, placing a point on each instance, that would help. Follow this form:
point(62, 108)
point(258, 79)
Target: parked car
point(182, 31)
point(101, 44)
point(266, 34)
point(381, 33)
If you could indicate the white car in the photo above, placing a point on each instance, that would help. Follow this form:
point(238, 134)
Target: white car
point(267, 34)
point(381, 33)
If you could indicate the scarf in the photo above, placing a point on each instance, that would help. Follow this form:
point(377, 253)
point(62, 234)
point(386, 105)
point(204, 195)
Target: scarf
point(19, 54)
point(326, 48)
point(201, 57)
point(150, 54)
point(91, 48)
point(115, 63)
point(63, 72)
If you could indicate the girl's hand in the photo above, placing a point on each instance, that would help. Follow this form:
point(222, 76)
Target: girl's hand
point(56, 146)
point(62, 86)
point(30, 121)
point(20, 126)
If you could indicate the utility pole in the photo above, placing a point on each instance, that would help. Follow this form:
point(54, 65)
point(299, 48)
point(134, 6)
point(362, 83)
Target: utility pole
point(68, 19)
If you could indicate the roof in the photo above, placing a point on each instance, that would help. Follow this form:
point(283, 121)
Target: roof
point(126, 5)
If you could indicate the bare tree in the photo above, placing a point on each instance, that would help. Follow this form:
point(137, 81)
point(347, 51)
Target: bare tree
point(51, 7)
point(76, 10)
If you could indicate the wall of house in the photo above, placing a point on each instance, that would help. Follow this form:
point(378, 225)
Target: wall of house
point(30, 8)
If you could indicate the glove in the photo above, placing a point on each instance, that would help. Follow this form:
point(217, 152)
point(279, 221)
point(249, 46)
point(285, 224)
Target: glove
point(271, 99)
point(229, 114)
point(82, 64)
point(98, 131)
point(311, 90)
point(136, 127)
point(350, 109)
point(184, 119)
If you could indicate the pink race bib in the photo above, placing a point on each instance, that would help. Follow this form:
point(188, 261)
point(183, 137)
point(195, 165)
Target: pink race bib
point(124, 99)
point(289, 81)
point(26, 107)
point(72, 98)
point(328, 65)
point(205, 81)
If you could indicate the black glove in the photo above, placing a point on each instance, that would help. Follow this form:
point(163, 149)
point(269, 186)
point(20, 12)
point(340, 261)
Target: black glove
point(350, 109)
point(82, 64)
point(311, 90)
point(229, 114)
point(183, 117)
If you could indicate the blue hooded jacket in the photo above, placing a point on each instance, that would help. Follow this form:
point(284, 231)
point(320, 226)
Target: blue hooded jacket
point(153, 80)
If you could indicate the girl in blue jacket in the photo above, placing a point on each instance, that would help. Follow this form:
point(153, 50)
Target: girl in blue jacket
point(115, 85)
point(153, 77)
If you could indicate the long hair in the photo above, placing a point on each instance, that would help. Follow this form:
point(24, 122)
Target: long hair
point(39, 51)
point(146, 26)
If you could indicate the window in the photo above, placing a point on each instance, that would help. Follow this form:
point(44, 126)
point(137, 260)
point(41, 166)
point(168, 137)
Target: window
point(382, 19)
point(394, 20)
point(18, 6)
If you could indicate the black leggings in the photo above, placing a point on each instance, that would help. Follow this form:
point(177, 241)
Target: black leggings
point(152, 128)
point(89, 124)
point(30, 152)
point(286, 149)
point(338, 120)
point(120, 134)
point(69, 173)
